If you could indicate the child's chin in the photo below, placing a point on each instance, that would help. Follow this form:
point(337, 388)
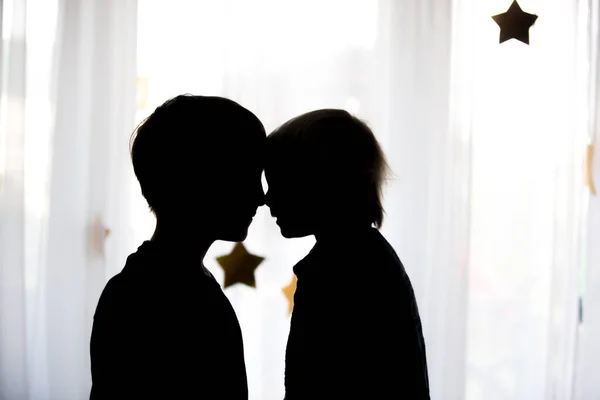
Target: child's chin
point(235, 235)
point(291, 232)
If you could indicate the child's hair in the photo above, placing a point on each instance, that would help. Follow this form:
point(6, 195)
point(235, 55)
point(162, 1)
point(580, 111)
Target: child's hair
point(340, 155)
point(191, 141)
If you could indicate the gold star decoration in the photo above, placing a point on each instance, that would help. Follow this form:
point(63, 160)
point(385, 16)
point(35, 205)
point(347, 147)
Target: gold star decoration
point(99, 234)
point(239, 266)
point(515, 23)
point(589, 164)
point(289, 291)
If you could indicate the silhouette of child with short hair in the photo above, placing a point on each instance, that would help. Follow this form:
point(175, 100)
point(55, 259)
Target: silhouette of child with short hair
point(355, 329)
point(163, 327)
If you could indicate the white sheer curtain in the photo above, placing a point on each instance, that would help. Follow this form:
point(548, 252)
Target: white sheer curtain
point(421, 97)
point(486, 208)
point(587, 383)
point(67, 108)
point(528, 135)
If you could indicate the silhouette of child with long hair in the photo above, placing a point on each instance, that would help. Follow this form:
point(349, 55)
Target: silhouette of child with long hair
point(355, 329)
point(163, 327)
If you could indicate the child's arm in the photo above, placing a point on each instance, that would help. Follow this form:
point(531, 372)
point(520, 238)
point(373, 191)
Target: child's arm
point(365, 345)
point(108, 374)
point(401, 347)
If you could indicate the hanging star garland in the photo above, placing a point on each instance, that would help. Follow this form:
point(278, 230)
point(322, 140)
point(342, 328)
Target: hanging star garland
point(289, 291)
point(239, 266)
point(515, 23)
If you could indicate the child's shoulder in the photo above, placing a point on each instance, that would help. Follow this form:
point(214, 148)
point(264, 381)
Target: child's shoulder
point(117, 287)
point(110, 299)
point(132, 275)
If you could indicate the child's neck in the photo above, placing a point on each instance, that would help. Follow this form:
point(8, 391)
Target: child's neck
point(191, 243)
point(341, 231)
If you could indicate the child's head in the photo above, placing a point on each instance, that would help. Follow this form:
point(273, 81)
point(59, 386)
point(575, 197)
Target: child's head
point(325, 171)
point(199, 162)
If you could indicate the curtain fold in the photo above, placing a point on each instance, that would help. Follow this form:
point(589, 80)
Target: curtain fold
point(427, 141)
point(68, 104)
point(526, 198)
point(94, 98)
point(13, 332)
point(587, 385)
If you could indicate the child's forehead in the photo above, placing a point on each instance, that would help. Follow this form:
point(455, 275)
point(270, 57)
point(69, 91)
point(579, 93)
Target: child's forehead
point(287, 170)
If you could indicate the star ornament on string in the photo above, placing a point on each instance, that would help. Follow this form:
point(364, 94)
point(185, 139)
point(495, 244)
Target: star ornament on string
point(515, 23)
point(239, 266)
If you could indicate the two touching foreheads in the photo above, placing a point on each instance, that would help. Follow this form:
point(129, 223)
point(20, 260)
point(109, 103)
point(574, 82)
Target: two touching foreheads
point(200, 159)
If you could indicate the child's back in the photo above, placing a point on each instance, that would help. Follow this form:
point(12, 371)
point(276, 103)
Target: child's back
point(163, 327)
point(355, 330)
point(177, 332)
